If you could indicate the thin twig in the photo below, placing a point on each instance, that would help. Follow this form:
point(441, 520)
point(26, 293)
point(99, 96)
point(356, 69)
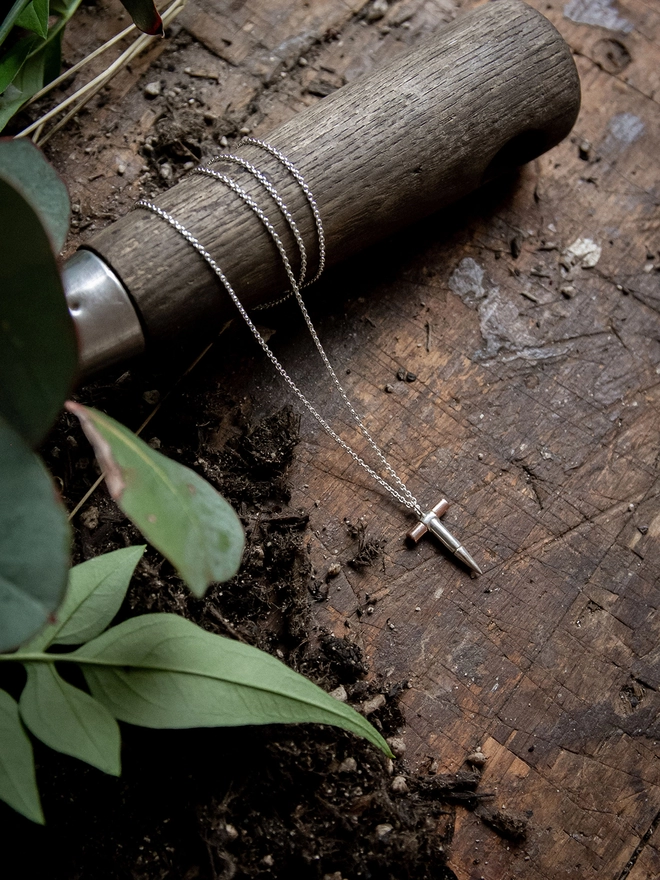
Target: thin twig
point(93, 86)
point(53, 84)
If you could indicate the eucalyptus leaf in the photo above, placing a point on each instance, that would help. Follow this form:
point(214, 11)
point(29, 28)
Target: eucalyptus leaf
point(69, 720)
point(14, 58)
point(145, 15)
point(35, 18)
point(38, 350)
point(161, 671)
point(176, 510)
point(9, 19)
point(24, 167)
point(94, 595)
point(18, 784)
point(27, 82)
point(34, 542)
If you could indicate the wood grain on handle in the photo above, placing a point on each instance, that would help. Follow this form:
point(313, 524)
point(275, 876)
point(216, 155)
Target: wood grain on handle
point(494, 89)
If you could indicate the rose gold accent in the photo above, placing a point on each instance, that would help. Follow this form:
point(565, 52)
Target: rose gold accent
point(419, 530)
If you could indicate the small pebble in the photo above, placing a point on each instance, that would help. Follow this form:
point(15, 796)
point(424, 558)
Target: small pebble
point(339, 693)
point(477, 758)
point(383, 830)
point(399, 785)
point(642, 529)
point(165, 171)
point(151, 397)
point(397, 745)
point(480, 456)
point(152, 89)
point(188, 165)
point(389, 766)
point(231, 832)
point(334, 570)
point(377, 10)
point(567, 290)
point(348, 765)
point(303, 62)
point(154, 443)
point(268, 860)
point(370, 609)
point(373, 705)
point(631, 507)
point(389, 388)
point(585, 151)
point(90, 518)
point(418, 608)
point(245, 130)
point(224, 143)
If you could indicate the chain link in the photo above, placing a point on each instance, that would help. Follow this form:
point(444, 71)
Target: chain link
point(401, 493)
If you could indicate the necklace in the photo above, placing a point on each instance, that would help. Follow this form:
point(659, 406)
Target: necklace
point(393, 485)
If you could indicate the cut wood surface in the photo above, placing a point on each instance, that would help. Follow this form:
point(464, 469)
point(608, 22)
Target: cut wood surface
point(530, 318)
point(392, 147)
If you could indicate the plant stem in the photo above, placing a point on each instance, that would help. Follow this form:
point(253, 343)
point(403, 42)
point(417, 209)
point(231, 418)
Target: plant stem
point(39, 657)
point(8, 22)
point(76, 67)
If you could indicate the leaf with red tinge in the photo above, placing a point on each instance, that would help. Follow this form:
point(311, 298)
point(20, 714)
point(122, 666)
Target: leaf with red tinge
point(145, 15)
point(175, 509)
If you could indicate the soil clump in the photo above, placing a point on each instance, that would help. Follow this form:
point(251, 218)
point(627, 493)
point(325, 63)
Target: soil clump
point(263, 802)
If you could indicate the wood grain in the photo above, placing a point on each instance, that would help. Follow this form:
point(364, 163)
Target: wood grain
point(496, 87)
point(536, 413)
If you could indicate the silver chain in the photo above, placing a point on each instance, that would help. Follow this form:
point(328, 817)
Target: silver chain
point(402, 493)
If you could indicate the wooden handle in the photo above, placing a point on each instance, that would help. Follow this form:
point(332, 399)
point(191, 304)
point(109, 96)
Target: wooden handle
point(492, 90)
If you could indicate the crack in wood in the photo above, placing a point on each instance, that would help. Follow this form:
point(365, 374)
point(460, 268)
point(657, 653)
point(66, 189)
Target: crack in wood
point(630, 864)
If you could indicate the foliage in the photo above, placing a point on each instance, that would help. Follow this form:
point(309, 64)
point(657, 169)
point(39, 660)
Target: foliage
point(175, 509)
point(31, 45)
point(38, 351)
point(155, 670)
point(180, 513)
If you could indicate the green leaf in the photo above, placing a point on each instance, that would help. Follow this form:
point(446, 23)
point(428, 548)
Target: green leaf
point(38, 352)
point(18, 784)
point(9, 20)
point(26, 83)
point(175, 509)
point(25, 168)
point(35, 18)
point(52, 52)
point(96, 590)
point(12, 60)
point(69, 720)
point(34, 542)
point(145, 15)
point(160, 670)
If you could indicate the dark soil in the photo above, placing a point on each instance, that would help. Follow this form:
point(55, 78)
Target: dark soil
point(271, 802)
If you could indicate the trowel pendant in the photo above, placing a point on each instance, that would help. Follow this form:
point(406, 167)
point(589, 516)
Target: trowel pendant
point(430, 522)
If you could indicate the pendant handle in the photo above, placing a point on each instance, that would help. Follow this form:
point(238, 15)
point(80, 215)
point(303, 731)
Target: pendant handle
point(488, 92)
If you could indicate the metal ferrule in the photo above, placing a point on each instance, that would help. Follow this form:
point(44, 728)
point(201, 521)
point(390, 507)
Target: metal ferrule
point(107, 324)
